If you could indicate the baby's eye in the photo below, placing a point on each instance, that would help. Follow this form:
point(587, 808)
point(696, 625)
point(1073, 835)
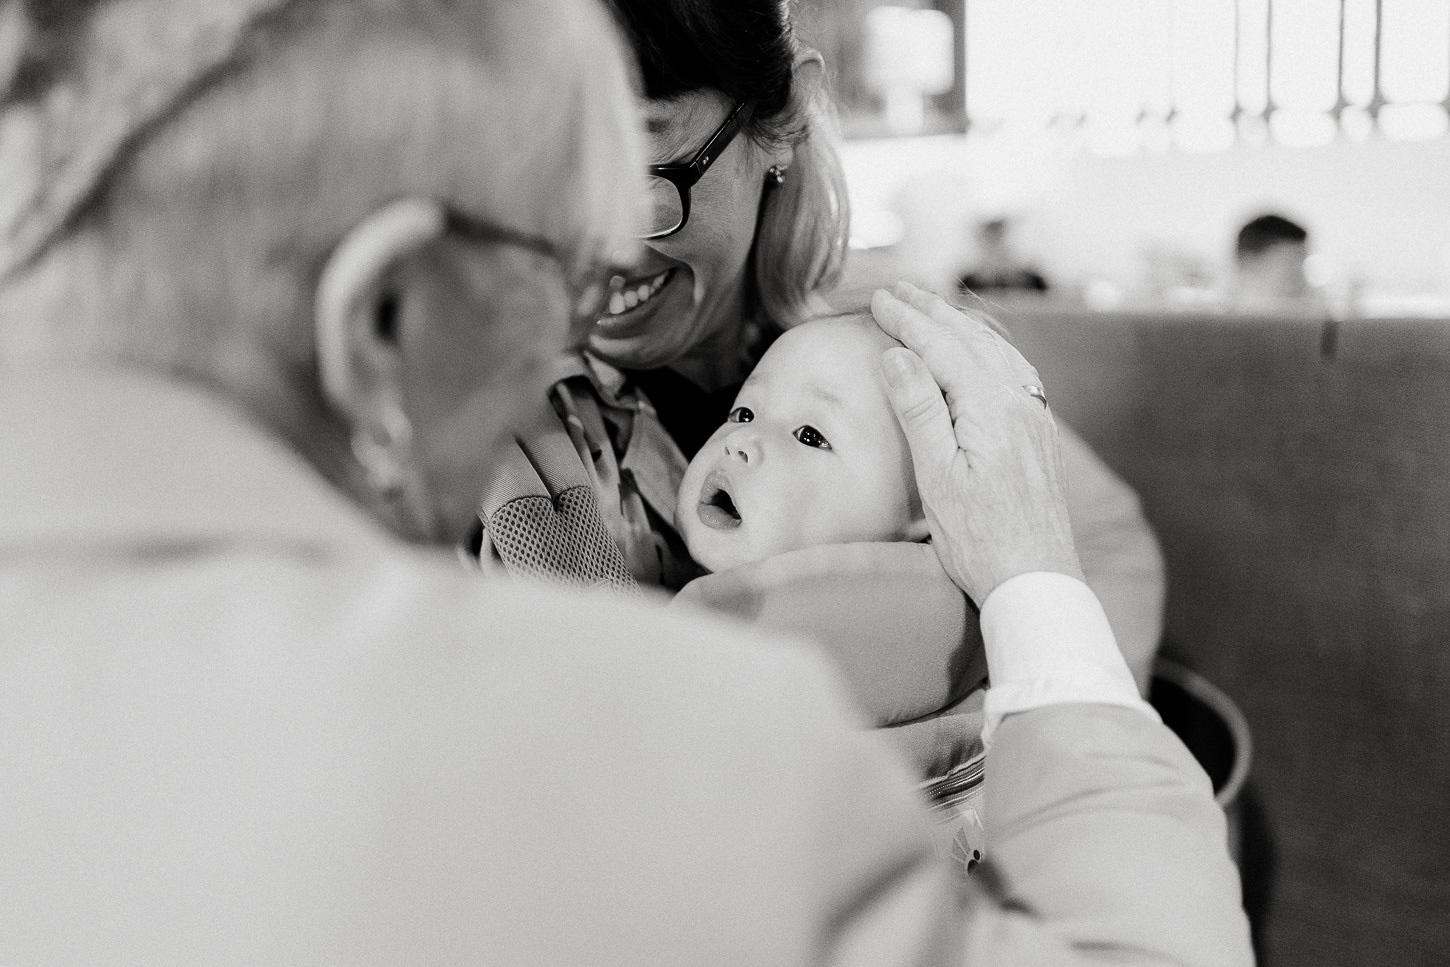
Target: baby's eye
point(741, 414)
point(811, 437)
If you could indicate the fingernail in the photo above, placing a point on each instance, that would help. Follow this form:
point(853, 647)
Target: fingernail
point(898, 366)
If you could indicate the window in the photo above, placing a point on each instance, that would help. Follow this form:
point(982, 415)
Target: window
point(1122, 76)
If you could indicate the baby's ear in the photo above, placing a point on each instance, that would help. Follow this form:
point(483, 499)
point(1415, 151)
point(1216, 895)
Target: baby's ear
point(917, 531)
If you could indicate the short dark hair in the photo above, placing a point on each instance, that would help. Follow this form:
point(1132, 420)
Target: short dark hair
point(1264, 232)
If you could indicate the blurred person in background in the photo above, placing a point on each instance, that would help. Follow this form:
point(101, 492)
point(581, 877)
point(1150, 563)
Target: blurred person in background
point(997, 268)
point(1269, 257)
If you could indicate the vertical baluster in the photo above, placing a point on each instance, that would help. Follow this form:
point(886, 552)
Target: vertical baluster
point(1238, 110)
point(1446, 102)
point(1269, 106)
point(1377, 101)
point(1340, 103)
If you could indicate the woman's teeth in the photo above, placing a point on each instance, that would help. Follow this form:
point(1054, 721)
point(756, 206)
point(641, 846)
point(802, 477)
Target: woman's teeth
point(637, 295)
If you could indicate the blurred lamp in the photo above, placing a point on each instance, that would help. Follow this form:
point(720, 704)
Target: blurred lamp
point(909, 55)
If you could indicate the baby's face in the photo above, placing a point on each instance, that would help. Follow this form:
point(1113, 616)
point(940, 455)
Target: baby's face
point(810, 454)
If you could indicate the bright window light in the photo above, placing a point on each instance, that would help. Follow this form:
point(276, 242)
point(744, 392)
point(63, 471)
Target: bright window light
point(1302, 129)
point(1412, 122)
point(1253, 130)
point(1356, 124)
point(1253, 55)
point(1119, 76)
point(1415, 63)
point(1114, 78)
point(1113, 140)
point(1304, 69)
point(1156, 134)
point(1359, 43)
point(1198, 135)
point(1203, 58)
point(991, 34)
point(1156, 55)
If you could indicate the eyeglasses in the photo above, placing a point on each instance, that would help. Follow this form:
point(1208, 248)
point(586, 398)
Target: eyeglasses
point(589, 288)
point(669, 185)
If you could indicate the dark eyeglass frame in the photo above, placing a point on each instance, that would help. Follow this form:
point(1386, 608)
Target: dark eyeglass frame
point(685, 176)
point(589, 289)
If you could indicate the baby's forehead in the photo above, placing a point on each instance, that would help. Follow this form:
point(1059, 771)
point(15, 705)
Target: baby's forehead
point(841, 353)
point(849, 332)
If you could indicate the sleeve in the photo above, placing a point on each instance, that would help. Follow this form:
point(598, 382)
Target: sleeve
point(1048, 642)
point(1108, 847)
point(1120, 555)
point(1103, 827)
point(1108, 850)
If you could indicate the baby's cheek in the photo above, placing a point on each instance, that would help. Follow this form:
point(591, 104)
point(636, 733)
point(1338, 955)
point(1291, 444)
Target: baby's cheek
point(807, 523)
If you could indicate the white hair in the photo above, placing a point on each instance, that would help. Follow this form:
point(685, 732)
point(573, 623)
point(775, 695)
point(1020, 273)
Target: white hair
point(207, 245)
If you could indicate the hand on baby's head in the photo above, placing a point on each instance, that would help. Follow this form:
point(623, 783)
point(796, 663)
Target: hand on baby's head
point(810, 454)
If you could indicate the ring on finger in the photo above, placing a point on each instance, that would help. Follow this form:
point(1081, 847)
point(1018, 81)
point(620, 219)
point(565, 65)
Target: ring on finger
point(1036, 393)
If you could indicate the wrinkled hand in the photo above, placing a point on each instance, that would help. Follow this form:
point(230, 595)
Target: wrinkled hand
point(986, 456)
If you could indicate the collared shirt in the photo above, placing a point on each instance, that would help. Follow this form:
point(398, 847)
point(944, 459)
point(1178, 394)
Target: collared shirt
point(619, 436)
point(239, 723)
point(1048, 643)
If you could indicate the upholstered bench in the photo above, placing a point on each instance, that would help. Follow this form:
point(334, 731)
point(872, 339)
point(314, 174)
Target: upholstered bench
point(1298, 474)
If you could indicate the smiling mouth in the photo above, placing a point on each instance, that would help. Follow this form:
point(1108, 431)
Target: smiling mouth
point(638, 293)
point(717, 507)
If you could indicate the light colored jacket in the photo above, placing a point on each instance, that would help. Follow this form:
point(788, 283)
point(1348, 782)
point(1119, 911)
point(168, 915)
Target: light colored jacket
point(241, 725)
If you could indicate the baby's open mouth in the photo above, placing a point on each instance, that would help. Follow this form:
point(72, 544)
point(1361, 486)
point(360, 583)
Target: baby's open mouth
point(717, 507)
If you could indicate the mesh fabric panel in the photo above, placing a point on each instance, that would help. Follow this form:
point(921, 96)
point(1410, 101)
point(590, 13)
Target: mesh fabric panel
point(561, 541)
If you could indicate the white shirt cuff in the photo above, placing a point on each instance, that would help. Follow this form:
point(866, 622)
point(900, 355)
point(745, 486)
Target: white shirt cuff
point(1048, 642)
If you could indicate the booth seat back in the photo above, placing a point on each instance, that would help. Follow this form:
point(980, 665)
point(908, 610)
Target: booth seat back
point(1298, 474)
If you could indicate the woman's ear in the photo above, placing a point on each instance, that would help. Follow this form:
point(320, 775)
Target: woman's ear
point(807, 86)
point(810, 73)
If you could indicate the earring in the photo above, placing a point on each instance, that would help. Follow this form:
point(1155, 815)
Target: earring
point(381, 450)
point(385, 453)
point(776, 174)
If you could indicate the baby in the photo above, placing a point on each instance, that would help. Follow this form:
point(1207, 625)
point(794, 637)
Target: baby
point(810, 454)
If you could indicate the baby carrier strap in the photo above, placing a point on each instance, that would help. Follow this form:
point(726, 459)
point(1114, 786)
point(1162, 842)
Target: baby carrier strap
point(541, 517)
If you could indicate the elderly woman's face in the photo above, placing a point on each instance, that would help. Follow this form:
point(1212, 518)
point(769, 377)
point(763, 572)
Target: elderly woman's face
point(688, 288)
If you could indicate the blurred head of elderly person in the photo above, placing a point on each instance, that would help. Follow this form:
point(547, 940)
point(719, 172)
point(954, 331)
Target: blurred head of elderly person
point(364, 224)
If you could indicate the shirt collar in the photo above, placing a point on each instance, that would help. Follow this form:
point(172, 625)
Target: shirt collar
point(116, 457)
